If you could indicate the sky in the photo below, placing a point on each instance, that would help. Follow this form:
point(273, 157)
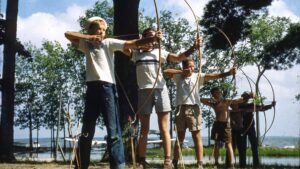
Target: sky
point(40, 20)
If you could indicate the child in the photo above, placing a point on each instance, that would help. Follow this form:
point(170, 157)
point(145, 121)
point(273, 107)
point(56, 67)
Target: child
point(147, 64)
point(246, 110)
point(101, 94)
point(188, 105)
point(221, 130)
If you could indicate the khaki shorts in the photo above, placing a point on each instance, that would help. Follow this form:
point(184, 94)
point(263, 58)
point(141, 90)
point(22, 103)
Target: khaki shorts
point(188, 116)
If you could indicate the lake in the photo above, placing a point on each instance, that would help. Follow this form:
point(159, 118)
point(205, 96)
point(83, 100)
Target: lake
point(97, 151)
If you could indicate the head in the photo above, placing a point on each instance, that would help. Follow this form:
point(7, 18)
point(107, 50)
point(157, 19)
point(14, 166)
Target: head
point(149, 32)
point(96, 26)
point(246, 95)
point(189, 65)
point(216, 93)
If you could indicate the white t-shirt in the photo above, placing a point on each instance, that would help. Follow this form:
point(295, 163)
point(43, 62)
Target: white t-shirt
point(184, 87)
point(100, 59)
point(147, 64)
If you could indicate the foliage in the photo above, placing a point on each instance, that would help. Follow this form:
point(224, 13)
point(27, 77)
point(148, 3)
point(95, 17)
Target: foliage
point(102, 9)
point(231, 16)
point(284, 53)
point(51, 72)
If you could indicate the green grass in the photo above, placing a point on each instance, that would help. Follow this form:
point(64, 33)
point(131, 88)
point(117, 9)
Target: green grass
point(263, 151)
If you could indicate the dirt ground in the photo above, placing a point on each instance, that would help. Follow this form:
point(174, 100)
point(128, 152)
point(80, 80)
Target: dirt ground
point(44, 166)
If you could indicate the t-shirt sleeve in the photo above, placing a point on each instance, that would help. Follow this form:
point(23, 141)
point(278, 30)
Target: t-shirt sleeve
point(164, 55)
point(134, 55)
point(201, 80)
point(115, 44)
point(82, 45)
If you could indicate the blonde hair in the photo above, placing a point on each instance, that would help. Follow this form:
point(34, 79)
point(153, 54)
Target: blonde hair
point(95, 20)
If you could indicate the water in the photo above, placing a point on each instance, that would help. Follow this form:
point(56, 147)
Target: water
point(98, 151)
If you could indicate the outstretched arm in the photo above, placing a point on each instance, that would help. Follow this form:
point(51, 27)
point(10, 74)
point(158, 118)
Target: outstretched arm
point(171, 72)
point(136, 43)
point(182, 56)
point(206, 101)
point(214, 76)
point(75, 37)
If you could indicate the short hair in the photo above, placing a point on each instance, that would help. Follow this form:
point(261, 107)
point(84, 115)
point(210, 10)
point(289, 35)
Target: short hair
point(186, 61)
point(246, 95)
point(214, 89)
point(93, 20)
point(147, 30)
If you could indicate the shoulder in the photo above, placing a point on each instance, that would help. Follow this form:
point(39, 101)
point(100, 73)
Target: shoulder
point(113, 41)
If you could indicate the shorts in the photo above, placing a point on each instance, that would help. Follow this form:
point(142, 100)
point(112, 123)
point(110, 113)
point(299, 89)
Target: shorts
point(159, 98)
point(188, 116)
point(221, 131)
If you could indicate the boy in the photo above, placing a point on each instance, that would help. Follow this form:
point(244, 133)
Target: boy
point(246, 110)
point(101, 94)
point(188, 105)
point(147, 64)
point(221, 130)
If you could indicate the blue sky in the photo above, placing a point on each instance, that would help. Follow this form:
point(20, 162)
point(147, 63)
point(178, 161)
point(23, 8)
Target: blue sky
point(47, 19)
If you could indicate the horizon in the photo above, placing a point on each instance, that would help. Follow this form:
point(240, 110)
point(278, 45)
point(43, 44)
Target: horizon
point(66, 13)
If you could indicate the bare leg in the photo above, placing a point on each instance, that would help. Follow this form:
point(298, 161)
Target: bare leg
point(229, 152)
point(198, 145)
point(180, 135)
point(216, 153)
point(163, 119)
point(144, 119)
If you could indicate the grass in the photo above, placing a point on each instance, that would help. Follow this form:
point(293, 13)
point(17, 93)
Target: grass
point(208, 151)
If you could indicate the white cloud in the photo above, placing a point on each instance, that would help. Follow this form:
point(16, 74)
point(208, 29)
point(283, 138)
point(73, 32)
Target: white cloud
point(45, 26)
point(281, 9)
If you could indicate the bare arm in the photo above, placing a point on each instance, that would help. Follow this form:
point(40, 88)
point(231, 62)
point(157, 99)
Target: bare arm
point(214, 76)
point(75, 37)
point(182, 56)
point(171, 72)
point(206, 101)
point(136, 43)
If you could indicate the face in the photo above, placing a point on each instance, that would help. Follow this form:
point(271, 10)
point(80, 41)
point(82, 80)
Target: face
point(217, 94)
point(189, 68)
point(98, 28)
point(149, 46)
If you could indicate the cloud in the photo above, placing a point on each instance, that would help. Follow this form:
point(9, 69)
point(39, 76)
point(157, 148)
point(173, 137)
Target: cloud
point(45, 26)
point(280, 8)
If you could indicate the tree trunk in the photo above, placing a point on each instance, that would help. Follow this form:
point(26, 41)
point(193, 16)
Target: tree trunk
point(7, 113)
point(126, 23)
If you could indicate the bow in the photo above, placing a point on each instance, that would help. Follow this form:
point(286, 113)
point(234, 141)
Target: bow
point(274, 107)
point(199, 51)
point(159, 54)
point(234, 79)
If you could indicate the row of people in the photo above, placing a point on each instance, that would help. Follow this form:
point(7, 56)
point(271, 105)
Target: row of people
point(101, 95)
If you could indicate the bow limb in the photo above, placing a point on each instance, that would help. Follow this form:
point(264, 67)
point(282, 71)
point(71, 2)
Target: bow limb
point(199, 51)
point(274, 107)
point(159, 55)
point(254, 104)
point(234, 79)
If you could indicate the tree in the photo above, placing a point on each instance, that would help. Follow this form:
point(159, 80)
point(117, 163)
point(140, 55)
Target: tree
point(231, 16)
point(7, 115)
